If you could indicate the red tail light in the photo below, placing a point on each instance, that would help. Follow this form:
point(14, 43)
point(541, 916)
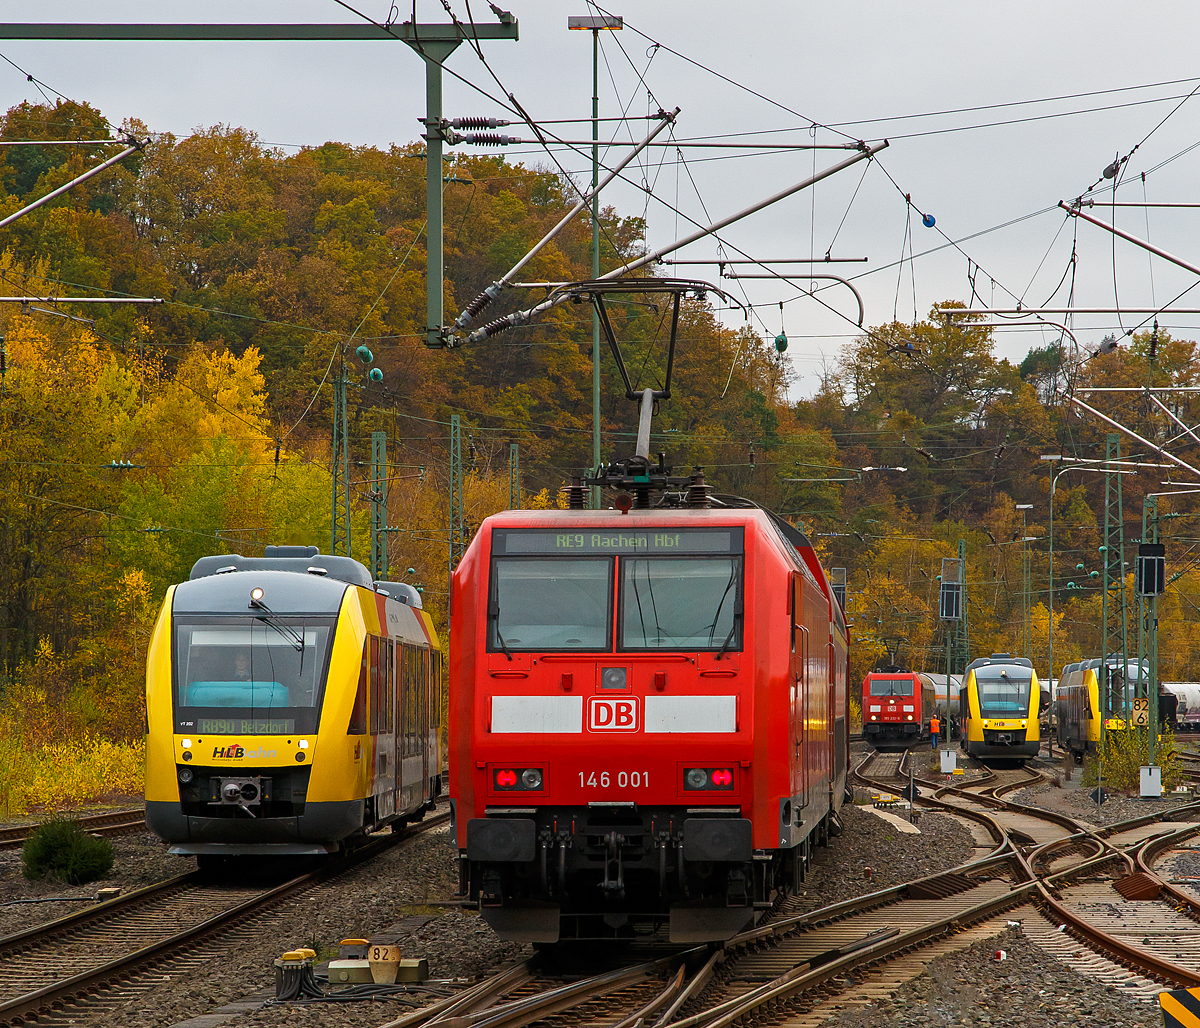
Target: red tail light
point(722, 778)
point(506, 779)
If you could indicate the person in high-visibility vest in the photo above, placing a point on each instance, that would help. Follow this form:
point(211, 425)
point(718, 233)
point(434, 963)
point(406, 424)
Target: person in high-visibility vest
point(935, 726)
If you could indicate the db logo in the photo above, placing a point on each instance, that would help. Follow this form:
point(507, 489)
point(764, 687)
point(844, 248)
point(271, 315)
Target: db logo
point(606, 715)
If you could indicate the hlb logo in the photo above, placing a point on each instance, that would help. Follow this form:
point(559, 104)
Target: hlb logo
point(228, 751)
point(605, 715)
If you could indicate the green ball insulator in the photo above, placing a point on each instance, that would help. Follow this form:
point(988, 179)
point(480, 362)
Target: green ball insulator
point(1078, 567)
point(412, 571)
point(365, 355)
point(375, 375)
point(781, 342)
point(1102, 549)
point(1093, 574)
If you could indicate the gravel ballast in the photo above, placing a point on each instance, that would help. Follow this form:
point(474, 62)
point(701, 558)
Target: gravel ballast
point(139, 859)
point(1028, 990)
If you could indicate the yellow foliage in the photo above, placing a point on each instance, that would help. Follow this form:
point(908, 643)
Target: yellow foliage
point(68, 774)
point(1123, 756)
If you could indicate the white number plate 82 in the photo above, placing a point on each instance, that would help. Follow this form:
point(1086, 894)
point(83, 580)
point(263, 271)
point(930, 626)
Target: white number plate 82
point(621, 779)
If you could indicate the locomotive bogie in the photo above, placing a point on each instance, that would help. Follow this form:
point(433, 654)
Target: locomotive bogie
point(639, 770)
point(290, 710)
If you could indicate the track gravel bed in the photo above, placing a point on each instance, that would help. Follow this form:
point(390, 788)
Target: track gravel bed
point(386, 896)
point(139, 859)
point(1028, 990)
point(1072, 799)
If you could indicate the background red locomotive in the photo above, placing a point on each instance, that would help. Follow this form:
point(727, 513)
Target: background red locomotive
point(647, 718)
point(897, 707)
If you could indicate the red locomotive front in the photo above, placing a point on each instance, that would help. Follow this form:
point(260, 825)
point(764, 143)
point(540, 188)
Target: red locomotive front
point(897, 706)
point(647, 719)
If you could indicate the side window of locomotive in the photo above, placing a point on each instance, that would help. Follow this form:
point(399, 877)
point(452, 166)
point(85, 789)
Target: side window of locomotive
point(247, 676)
point(681, 603)
point(358, 713)
point(550, 603)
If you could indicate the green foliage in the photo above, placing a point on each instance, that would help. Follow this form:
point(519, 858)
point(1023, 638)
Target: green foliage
point(61, 849)
point(1123, 756)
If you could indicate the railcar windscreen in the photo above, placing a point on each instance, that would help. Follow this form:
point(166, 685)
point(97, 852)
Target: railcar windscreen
point(680, 603)
point(550, 604)
point(246, 676)
point(891, 686)
point(1003, 690)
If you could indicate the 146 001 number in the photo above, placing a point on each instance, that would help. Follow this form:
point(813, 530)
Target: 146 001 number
point(622, 779)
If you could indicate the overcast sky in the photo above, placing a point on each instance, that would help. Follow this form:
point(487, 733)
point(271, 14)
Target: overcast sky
point(833, 64)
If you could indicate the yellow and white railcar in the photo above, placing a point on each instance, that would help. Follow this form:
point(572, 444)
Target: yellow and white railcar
point(998, 706)
point(293, 705)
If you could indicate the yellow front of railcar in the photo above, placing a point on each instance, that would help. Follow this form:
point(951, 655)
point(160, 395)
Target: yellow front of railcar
point(279, 708)
point(999, 705)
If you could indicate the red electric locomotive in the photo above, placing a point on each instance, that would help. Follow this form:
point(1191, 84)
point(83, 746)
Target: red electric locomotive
point(647, 717)
point(897, 707)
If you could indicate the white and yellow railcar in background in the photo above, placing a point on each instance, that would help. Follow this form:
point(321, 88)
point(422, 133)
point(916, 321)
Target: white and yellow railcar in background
point(293, 706)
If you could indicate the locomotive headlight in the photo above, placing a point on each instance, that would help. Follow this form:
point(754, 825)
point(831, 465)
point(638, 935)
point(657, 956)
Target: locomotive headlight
point(696, 778)
point(612, 678)
point(531, 778)
point(908, 717)
point(256, 595)
point(185, 775)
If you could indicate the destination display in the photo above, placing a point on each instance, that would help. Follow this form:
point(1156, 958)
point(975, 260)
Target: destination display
point(245, 726)
point(639, 541)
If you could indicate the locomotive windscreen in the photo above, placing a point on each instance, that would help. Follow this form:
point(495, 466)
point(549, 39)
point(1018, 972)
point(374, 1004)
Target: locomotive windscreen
point(247, 676)
point(891, 686)
point(554, 591)
point(1003, 690)
point(679, 603)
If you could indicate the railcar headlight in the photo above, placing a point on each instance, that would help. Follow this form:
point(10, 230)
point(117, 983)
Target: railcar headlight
point(256, 595)
point(612, 678)
point(696, 778)
point(187, 754)
point(531, 778)
point(185, 775)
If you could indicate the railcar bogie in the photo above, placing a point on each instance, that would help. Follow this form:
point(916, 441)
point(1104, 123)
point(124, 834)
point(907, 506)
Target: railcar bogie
point(292, 706)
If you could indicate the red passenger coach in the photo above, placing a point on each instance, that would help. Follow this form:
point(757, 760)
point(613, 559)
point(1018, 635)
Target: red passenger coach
point(647, 719)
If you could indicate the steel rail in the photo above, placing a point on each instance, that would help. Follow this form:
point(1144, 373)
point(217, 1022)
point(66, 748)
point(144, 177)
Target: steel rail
point(112, 822)
point(26, 1007)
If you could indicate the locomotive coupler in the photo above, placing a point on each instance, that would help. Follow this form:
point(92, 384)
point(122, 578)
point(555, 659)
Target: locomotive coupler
point(564, 843)
point(664, 841)
point(544, 840)
point(491, 893)
point(614, 871)
point(735, 889)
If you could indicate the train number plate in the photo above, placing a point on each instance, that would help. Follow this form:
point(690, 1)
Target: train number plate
point(621, 779)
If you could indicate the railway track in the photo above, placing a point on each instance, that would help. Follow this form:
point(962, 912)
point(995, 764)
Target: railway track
point(113, 822)
point(177, 925)
point(1044, 870)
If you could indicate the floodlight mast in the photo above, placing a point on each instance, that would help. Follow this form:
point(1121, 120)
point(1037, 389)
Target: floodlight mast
point(522, 317)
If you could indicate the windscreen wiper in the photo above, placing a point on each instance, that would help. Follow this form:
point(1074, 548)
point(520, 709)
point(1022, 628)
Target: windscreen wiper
point(494, 614)
point(289, 633)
